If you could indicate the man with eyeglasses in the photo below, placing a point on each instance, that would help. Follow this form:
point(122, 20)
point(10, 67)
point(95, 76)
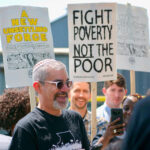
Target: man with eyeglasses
point(50, 126)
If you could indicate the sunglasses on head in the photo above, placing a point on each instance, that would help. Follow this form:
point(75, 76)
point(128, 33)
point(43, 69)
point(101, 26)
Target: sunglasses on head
point(59, 84)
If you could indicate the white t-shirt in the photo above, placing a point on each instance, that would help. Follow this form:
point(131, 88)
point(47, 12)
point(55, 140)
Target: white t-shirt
point(4, 142)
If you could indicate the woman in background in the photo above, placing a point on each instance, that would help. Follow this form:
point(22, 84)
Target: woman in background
point(128, 105)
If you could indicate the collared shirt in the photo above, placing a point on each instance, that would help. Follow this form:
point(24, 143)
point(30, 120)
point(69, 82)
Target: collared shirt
point(101, 128)
point(87, 123)
point(104, 112)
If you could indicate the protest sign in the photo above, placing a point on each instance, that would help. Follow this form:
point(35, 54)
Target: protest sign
point(92, 41)
point(132, 38)
point(26, 39)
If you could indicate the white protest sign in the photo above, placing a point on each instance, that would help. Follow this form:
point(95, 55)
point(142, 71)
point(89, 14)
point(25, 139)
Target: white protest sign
point(26, 39)
point(133, 38)
point(92, 41)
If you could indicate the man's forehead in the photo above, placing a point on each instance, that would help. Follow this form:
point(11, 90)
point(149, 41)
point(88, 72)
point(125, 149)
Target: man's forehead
point(79, 85)
point(115, 86)
point(58, 74)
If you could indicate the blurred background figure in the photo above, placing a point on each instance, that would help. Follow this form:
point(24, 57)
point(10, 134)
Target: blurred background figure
point(128, 104)
point(148, 92)
point(14, 104)
point(105, 131)
point(138, 130)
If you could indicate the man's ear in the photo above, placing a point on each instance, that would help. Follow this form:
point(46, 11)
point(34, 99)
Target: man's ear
point(36, 86)
point(104, 90)
point(125, 91)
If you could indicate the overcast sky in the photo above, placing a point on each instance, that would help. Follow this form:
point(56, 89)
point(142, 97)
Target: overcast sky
point(58, 8)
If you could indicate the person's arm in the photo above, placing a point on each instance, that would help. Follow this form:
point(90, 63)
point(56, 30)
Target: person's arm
point(105, 134)
point(101, 129)
point(22, 140)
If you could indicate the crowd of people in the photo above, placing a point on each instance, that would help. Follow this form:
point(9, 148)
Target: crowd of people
point(54, 126)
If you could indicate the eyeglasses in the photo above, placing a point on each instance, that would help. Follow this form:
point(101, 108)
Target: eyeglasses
point(59, 84)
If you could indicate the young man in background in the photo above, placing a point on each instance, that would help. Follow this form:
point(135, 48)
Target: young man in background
point(114, 92)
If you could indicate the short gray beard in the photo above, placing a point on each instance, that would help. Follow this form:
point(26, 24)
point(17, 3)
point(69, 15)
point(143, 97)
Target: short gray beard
point(57, 105)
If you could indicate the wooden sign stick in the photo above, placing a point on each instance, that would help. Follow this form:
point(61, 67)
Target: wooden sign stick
point(32, 97)
point(93, 108)
point(132, 82)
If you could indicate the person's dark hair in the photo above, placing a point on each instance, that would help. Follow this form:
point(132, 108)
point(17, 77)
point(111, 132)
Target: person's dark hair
point(14, 104)
point(130, 97)
point(120, 81)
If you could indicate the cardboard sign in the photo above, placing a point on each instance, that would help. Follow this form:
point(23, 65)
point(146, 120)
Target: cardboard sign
point(133, 51)
point(26, 39)
point(92, 41)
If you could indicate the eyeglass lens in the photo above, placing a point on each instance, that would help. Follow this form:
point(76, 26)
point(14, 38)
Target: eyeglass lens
point(60, 84)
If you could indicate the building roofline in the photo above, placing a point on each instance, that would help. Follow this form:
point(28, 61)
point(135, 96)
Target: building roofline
point(59, 18)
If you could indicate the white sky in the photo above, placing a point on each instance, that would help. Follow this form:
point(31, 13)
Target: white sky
point(58, 8)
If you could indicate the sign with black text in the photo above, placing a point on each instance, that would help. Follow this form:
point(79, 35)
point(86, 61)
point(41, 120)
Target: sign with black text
point(92, 41)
